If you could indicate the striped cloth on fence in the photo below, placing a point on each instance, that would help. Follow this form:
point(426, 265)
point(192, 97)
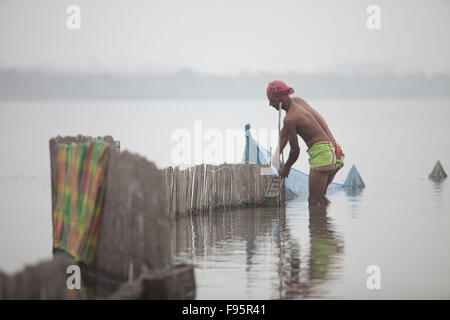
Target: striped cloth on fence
point(81, 181)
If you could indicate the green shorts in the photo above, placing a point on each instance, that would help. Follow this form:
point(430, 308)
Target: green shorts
point(323, 156)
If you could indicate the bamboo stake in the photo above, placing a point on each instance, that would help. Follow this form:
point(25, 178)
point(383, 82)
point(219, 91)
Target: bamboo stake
point(280, 151)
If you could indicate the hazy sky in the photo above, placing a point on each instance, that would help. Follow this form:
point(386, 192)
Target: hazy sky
point(225, 36)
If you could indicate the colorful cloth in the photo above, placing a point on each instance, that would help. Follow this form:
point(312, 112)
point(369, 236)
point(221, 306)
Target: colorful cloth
point(81, 181)
point(278, 91)
point(326, 156)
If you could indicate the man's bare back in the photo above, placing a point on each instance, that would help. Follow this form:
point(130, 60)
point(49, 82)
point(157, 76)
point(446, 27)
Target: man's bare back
point(309, 124)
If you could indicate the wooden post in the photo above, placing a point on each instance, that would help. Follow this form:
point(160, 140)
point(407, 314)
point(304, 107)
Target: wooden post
point(280, 151)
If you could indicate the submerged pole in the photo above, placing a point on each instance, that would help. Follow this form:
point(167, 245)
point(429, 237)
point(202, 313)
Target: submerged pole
point(247, 142)
point(280, 153)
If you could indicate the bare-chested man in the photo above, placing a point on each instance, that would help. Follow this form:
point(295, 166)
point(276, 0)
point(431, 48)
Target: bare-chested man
point(326, 157)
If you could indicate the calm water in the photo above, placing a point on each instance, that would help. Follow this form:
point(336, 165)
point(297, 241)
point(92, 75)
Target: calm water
point(399, 222)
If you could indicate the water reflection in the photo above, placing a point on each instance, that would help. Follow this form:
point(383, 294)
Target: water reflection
point(438, 192)
point(325, 244)
point(202, 234)
point(289, 262)
point(324, 247)
point(353, 192)
point(256, 248)
point(354, 196)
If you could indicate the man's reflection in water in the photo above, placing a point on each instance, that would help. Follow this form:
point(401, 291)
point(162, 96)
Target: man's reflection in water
point(325, 246)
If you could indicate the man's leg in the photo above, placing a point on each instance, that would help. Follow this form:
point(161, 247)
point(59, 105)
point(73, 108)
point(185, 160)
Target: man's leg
point(339, 165)
point(330, 179)
point(317, 184)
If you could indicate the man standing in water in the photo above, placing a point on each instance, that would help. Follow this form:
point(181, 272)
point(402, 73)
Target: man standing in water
point(325, 154)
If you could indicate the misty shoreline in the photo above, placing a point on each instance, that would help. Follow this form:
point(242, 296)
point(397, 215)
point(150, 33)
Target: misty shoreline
point(189, 85)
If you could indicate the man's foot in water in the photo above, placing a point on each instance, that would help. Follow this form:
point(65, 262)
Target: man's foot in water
point(325, 200)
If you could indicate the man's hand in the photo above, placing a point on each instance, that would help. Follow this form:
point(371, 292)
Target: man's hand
point(284, 171)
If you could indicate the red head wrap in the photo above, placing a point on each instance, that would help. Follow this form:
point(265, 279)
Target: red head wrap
point(278, 91)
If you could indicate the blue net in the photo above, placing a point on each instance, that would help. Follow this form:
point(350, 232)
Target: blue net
point(296, 182)
point(353, 179)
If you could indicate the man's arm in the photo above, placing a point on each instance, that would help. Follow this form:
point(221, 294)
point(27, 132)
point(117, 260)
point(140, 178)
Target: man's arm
point(283, 139)
point(291, 133)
